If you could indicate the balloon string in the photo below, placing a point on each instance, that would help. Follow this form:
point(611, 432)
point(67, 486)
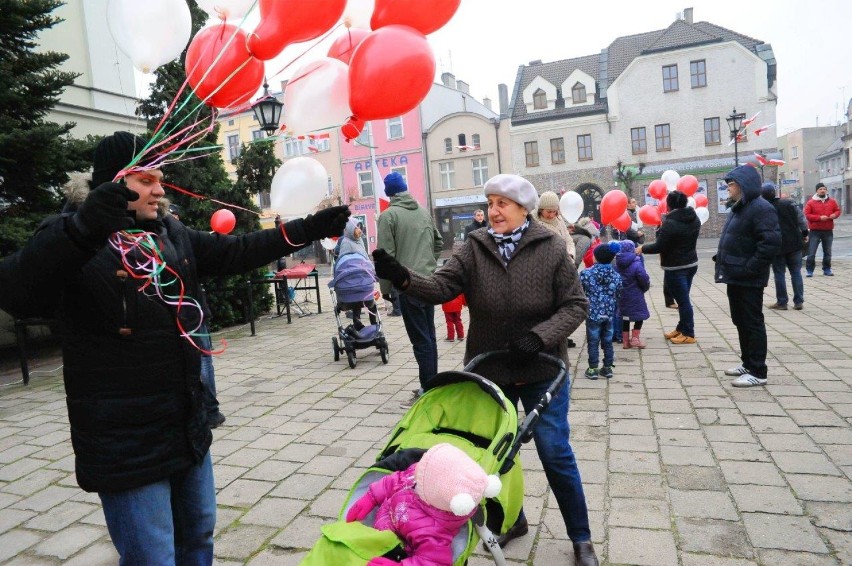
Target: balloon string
point(202, 197)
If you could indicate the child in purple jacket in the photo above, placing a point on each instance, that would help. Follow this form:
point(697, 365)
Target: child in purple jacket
point(635, 283)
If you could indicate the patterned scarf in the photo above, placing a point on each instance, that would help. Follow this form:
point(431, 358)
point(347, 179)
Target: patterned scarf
point(507, 243)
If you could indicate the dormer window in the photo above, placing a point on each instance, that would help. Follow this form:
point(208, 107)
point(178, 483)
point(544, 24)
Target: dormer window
point(539, 100)
point(578, 93)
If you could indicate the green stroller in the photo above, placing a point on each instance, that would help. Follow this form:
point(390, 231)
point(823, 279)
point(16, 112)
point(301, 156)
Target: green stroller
point(468, 411)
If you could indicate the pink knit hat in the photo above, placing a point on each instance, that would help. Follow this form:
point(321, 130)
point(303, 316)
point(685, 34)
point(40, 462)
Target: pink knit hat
point(450, 480)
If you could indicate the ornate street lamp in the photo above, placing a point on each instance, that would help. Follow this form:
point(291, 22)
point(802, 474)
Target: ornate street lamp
point(267, 111)
point(735, 122)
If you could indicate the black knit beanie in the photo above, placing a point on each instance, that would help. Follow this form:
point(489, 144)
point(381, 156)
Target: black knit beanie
point(113, 154)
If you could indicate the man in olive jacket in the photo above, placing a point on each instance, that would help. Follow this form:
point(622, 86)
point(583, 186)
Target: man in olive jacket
point(139, 430)
point(750, 240)
point(407, 232)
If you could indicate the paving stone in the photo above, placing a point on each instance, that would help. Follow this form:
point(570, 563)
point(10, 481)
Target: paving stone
point(641, 547)
point(788, 558)
point(821, 488)
point(686, 455)
point(835, 516)
point(635, 462)
point(99, 554)
point(708, 560)
point(788, 442)
point(804, 463)
point(721, 538)
point(636, 486)
point(766, 499)
point(633, 442)
point(702, 504)
point(639, 513)
point(783, 532)
point(11, 518)
point(243, 493)
point(241, 541)
point(15, 541)
point(751, 452)
point(670, 437)
point(60, 516)
point(760, 473)
point(273, 512)
point(695, 478)
point(841, 542)
point(69, 541)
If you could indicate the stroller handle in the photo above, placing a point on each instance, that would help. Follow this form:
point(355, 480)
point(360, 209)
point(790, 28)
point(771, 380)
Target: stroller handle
point(507, 356)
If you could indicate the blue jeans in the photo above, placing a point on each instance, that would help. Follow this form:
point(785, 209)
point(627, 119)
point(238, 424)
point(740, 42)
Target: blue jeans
point(169, 522)
point(814, 238)
point(208, 376)
point(679, 282)
point(599, 335)
point(793, 262)
point(419, 319)
point(551, 441)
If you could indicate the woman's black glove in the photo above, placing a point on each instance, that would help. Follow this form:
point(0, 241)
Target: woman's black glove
point(526, 347)
point(388, 268)
point(103, 212)
point(327, 223)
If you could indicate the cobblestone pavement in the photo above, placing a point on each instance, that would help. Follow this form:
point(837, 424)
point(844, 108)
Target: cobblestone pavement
point(679, 467)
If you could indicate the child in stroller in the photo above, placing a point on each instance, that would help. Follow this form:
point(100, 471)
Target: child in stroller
point(352, 289)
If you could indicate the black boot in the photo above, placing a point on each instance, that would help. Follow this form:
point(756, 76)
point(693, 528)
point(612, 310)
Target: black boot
point(584, 554)
point(519, 529)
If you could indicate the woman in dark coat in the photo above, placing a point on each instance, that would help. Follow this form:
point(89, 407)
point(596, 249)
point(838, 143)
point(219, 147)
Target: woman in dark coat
point(523, 293)
point(676, 241)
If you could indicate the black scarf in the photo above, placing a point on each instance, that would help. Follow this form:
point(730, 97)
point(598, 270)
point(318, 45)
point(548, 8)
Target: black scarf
point(507, 243)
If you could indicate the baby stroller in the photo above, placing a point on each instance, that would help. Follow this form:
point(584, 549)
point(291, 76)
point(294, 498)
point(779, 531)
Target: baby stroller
point(471, 413)
point(352, 289)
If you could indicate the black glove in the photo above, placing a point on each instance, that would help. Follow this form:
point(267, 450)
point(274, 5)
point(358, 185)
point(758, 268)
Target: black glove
point(103, 212)
point(327, 223)
point(388, 268)
point(525, 347)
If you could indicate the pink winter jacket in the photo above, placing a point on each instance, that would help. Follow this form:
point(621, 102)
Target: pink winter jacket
point(427, 532)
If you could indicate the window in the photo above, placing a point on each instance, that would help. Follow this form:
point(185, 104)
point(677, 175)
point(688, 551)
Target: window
point(394, 128)
point(256, 135)
point(462, 140)
point(539, 100)
point(664, 137)
point(230, 122)
point(323, 144)
point(531, 151)
point(670, 78)
point(474, 139)
point(448, 175)
point(557, 150)
point(638, 141)
point(330, 190)
point(264, 199)
point(584, 147)
point(698, 73)
point(364, 137)
point(365, 183)
point(711, 131)
point(233, 146)
point(448, 145)
point(293, 147)
point(480, 171)
point(402, 171)
point(794, 152)
point(578, 93)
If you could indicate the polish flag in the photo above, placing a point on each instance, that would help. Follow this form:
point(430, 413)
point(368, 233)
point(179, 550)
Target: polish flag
point(747, 123)
point(762, 129)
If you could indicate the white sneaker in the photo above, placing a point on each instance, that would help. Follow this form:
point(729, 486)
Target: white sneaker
point(748, 380)
point(737, 371)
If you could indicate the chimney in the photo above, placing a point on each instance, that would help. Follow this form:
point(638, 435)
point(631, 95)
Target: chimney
point(486, 102)
point(463, 87)
point(536, 62)
point(284, 84)
point(448, 79)
point(503, 94)
point(687, 15)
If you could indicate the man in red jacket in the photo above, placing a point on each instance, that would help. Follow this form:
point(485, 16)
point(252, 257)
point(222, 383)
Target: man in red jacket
point(820, 211)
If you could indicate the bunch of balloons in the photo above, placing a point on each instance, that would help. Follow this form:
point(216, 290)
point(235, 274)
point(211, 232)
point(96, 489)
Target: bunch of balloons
point(668, 182)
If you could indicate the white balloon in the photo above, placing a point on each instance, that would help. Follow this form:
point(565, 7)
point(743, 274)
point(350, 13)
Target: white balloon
point(328, 243)
point(358, 13)
point(298, 187)
point(571, 206)
point(150, 32)
point(670, 178)
point(225, 9)
point(690, 202)
point(703, 214)
point(317, 97)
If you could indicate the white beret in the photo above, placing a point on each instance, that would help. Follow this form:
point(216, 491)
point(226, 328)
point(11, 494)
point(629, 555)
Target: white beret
point(513, 187)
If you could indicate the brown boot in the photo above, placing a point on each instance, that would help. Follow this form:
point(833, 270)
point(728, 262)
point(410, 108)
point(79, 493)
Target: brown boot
point(635, 342)
point(625, 340)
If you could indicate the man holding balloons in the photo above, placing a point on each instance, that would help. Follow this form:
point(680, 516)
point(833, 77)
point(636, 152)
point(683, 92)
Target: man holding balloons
point(123, 280)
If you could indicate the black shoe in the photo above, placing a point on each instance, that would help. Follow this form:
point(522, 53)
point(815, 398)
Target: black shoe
point(584, 554)
point(215, 419)
point(571, 344)
point(519, 529)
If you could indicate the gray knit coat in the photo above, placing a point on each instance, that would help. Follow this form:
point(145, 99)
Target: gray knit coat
point(538, 290)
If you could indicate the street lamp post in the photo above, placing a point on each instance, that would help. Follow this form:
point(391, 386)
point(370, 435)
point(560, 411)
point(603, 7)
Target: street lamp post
point(735, 122)
point(267, 111)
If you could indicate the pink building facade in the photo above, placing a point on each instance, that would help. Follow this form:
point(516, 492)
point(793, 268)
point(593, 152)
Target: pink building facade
point(397, 144)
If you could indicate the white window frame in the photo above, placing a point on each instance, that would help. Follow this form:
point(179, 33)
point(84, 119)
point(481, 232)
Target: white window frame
point(402, 170)
point(392, 123)
point(480, 171)
point(447, 172)
point(233, 146)
point(294, 147)
point(365, 184)
point(474, 141)
point(448, 145)
point(794, 152)
point(323, 144)
point(364, 137)
point(257, 135)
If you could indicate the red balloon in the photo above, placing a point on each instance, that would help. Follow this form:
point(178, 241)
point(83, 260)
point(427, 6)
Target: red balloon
point(663, 207)
point(700, 200)
point(687, 184)
point(425, 17)
point(205, 47)
point(223, 221)
point(658, 190)
point(283, 22)
point(650, 215)
point(623, 222)
point(396, 57)
point(345, 45)
point(352, 128)
point(613, 205)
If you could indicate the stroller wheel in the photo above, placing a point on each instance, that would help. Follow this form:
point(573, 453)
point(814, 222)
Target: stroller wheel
point(350, 357)
point(335, 348)
point(383, 352)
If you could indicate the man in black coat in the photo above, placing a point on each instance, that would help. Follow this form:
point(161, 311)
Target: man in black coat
point(123, 280)
point(749, 242)
point(794, 230)
point(477, 223)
